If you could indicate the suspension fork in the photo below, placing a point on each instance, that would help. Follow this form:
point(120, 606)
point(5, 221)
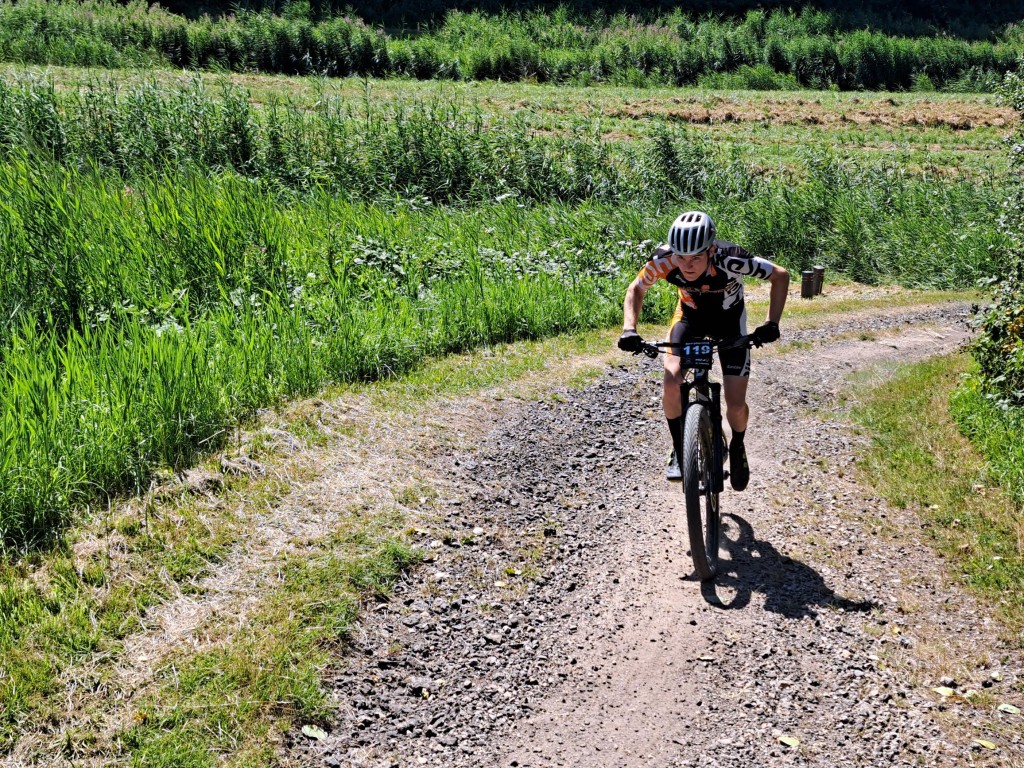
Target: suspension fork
point(703, 387)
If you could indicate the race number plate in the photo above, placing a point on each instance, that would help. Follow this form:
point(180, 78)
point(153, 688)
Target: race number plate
point(695, 354)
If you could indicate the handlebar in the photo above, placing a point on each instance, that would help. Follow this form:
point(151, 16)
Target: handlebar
point(741, 342)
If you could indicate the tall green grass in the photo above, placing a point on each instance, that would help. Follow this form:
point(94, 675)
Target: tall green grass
point(191, 302)
point(161, 284)
point(86, 231)
point(808, 48)
point(440, 149)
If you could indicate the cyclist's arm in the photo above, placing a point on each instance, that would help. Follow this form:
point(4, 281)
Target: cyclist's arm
point(633, 304)
point(657, 267)
point(779, 287)
point(739, 262)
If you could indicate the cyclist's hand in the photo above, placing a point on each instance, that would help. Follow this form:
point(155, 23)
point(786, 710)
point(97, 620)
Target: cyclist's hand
point(767, 333)
point(630, 341)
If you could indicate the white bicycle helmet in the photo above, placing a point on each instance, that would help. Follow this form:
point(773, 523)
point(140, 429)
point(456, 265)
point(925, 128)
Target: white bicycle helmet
point(691, 233)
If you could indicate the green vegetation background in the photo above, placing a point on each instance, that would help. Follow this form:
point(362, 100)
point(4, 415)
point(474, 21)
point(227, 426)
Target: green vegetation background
point(916, 17)
point(177, 257)
point(761, 49)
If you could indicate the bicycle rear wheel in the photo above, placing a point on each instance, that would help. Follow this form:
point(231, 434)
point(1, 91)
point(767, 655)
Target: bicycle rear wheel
point(702, 517)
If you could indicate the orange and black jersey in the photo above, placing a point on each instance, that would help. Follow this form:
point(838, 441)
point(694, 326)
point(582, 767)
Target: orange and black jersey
point(721, 285)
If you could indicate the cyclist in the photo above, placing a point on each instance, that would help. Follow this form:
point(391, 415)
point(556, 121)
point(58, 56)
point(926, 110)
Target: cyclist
point(708, 274)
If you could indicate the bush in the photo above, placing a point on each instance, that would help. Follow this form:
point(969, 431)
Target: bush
point(999, 349)
point(760, 77)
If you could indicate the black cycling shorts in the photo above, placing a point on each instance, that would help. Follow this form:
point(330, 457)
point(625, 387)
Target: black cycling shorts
point(721, 326)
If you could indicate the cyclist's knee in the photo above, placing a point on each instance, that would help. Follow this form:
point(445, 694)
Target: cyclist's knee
point(673, 378)
point(739, 407)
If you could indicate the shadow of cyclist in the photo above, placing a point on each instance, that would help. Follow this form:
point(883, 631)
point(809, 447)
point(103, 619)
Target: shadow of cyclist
point(790, 587)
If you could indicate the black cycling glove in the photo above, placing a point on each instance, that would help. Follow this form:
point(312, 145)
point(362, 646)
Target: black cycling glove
point(767, 333)
point(630, 341)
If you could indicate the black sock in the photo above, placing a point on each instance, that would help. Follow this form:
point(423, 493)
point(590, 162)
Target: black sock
point(675, 427)
point(737, 438)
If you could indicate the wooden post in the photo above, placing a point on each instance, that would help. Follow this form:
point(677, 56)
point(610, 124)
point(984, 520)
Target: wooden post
point(819, 280)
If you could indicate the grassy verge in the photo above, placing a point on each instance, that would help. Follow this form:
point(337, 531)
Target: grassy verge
point(89, 647)
point(997, 432)
point(83, 598)
point(229, 705)
point(919, 459)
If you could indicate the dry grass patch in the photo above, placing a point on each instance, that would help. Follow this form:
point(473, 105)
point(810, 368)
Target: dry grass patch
point(889, 112)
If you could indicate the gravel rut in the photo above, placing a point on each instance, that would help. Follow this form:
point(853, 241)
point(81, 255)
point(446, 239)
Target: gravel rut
point(556, 620)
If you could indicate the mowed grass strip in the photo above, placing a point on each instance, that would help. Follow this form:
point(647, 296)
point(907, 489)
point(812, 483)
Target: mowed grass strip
point(919, 459)
point(80, 600)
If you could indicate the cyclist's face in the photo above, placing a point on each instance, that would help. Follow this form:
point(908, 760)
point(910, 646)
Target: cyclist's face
point(694, 266)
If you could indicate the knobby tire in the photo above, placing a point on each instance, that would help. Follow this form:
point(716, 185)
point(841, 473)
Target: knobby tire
point(702, 514)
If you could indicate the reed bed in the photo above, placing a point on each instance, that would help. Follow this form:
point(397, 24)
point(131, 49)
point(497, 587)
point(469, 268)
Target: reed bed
point(759, 50)
point(176, 260)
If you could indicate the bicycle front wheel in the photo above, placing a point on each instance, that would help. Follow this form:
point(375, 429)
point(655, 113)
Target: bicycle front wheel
point(702, 517)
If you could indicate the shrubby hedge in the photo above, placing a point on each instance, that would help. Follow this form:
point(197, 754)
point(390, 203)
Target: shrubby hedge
point(989, 406)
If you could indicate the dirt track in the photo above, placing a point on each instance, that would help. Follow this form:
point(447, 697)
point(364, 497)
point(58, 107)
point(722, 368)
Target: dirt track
point(556, 621)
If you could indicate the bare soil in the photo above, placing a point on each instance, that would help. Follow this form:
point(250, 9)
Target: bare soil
point(556, 620)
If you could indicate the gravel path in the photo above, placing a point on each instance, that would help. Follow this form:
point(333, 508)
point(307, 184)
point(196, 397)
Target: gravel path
point(556, 620)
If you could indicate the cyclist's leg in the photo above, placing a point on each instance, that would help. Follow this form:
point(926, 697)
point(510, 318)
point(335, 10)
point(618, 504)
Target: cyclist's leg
point(672, 400)
point(670, 396)
point(735, 375)
point(735, 372)
point(737, 413)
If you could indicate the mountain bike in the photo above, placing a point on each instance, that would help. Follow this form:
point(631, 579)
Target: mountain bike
point(704, 450)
